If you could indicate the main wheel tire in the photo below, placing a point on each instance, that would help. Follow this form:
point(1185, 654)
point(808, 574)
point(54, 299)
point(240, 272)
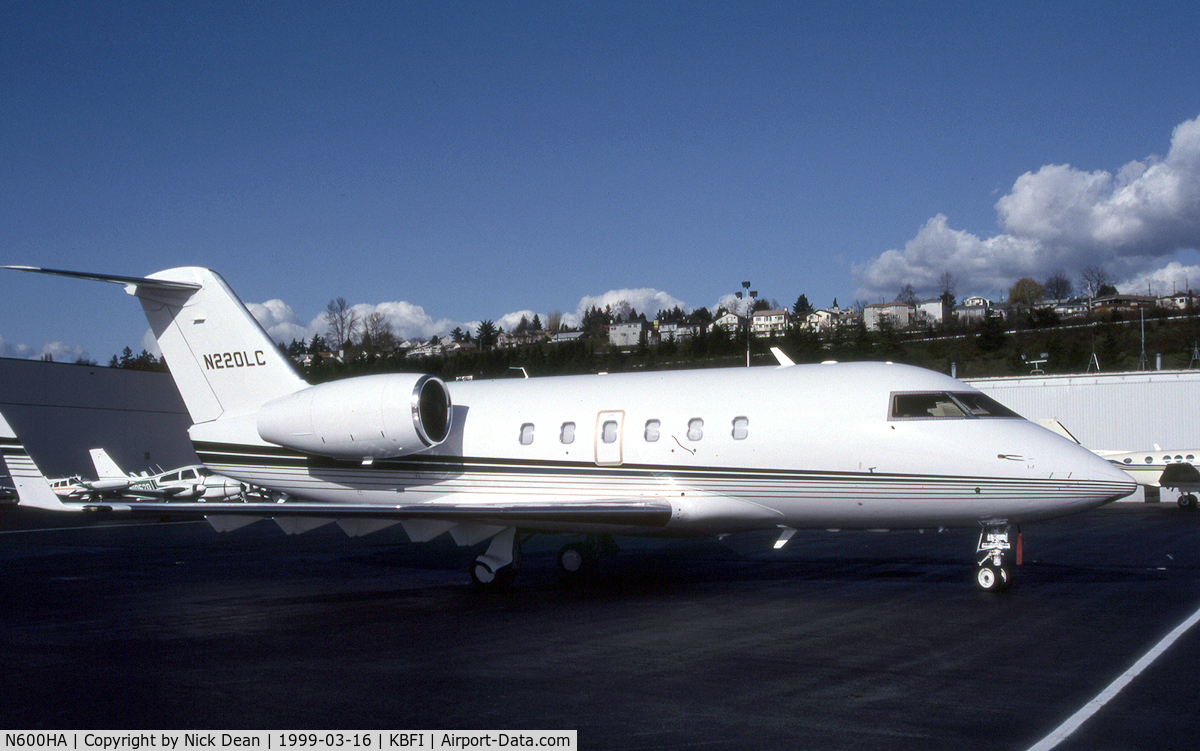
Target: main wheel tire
point(575, 558)
point(1187, 501)
point(483, 576)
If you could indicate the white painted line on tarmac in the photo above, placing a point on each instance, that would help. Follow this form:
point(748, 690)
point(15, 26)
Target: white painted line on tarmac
point(1072, 724)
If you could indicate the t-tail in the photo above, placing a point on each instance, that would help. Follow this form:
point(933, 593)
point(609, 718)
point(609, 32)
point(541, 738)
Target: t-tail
point(224, 363)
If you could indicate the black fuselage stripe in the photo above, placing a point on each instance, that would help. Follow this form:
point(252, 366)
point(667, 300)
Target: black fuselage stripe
point(266, 458)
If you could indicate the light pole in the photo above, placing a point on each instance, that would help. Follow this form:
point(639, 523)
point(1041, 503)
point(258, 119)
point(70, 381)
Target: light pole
point(751, 295)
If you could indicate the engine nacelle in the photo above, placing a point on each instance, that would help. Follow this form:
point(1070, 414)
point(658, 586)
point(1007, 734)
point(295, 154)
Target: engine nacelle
point(369, 417)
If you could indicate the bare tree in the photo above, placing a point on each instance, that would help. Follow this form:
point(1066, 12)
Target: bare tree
point(1059, 286)
point(907, 295)
point(342, 323)
point(377, 333)
point(1096, 281)
point(554, 321)
point(947, 288)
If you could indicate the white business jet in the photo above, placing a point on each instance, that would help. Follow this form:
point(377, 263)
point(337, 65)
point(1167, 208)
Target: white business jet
point(684, 453)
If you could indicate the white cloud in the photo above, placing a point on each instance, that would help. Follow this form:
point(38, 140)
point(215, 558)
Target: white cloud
point(408, 321)
point(1172, 278)
point(509, 321)
point(57, 350)
point(280, 321)
point(1061, 218)
point(643, 300)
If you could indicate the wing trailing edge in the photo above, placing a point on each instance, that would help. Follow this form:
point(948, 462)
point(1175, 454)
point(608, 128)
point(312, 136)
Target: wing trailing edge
point(637, 513)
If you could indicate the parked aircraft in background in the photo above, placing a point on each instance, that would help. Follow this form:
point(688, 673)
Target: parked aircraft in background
point(684, 453)
point(1175, 469)
point(1162, 469)
point(72, 488)
point(192, 482)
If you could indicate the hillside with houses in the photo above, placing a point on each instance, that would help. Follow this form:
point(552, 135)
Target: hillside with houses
point(975, 337)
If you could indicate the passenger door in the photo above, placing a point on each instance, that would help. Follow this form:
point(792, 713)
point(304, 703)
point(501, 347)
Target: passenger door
point(610, 434)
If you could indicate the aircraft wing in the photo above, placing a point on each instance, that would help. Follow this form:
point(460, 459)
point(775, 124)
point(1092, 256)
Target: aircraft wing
point(640, 512)
point(134, 494)
point(1180, 475)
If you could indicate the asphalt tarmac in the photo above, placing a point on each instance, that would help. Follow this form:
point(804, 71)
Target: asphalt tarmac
point(850, 640)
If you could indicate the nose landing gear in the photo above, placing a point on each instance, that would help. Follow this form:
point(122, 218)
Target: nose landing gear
point(995, 572)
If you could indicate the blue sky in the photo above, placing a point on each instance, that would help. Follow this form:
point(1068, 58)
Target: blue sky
point(451, 162)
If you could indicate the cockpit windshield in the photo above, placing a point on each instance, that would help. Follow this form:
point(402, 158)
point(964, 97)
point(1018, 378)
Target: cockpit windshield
point(931, 405)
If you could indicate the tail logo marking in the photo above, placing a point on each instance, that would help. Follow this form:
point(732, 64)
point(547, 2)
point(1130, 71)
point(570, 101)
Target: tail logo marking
point(224, 360)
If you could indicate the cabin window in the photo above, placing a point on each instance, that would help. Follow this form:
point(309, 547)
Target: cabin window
point(173, 477)
point(527, 434)
point(741, 428)
point(695, 429)
point(608, 431)
point(653, 430)
point(189, 474)
point(1149, 459)
point(567, 434)
point(945, 405)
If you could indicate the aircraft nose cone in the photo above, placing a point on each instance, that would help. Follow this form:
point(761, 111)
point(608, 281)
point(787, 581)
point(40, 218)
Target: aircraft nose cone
point(1108, 478)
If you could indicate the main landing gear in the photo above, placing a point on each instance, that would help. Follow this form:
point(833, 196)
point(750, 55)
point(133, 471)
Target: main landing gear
point(577, 559)
point(1187, 501)
point(995, 572)
point(497, 567)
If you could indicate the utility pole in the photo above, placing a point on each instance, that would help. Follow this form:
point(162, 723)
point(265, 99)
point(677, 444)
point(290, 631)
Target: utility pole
point(751, 295)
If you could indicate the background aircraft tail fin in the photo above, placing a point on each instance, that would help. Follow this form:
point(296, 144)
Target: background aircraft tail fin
point(31, 485)
point(223, 362)
point(106, 468)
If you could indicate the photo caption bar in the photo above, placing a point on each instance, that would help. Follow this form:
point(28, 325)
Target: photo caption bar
point(286, 740)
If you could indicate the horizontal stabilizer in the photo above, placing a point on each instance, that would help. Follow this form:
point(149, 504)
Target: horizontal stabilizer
point(223, 362)
point(1054, 426)
point(127, 281)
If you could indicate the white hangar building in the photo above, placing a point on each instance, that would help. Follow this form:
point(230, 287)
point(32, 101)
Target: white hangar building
point(1110, 411)
point(61, 411)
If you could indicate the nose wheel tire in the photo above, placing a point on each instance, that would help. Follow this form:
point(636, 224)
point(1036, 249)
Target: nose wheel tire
point(991, 578)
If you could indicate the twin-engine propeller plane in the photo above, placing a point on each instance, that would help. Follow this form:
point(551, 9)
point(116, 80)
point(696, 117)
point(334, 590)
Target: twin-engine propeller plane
point(193, 482)
point(685, 453)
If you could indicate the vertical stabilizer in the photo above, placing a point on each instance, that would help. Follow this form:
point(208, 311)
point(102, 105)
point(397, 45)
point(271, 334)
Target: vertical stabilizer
point(106, 468)
point(31, 485)
point(223, 362)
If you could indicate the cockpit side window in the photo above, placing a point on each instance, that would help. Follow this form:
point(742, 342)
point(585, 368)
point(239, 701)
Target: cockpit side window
point(982, 405)
point(932, 405)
